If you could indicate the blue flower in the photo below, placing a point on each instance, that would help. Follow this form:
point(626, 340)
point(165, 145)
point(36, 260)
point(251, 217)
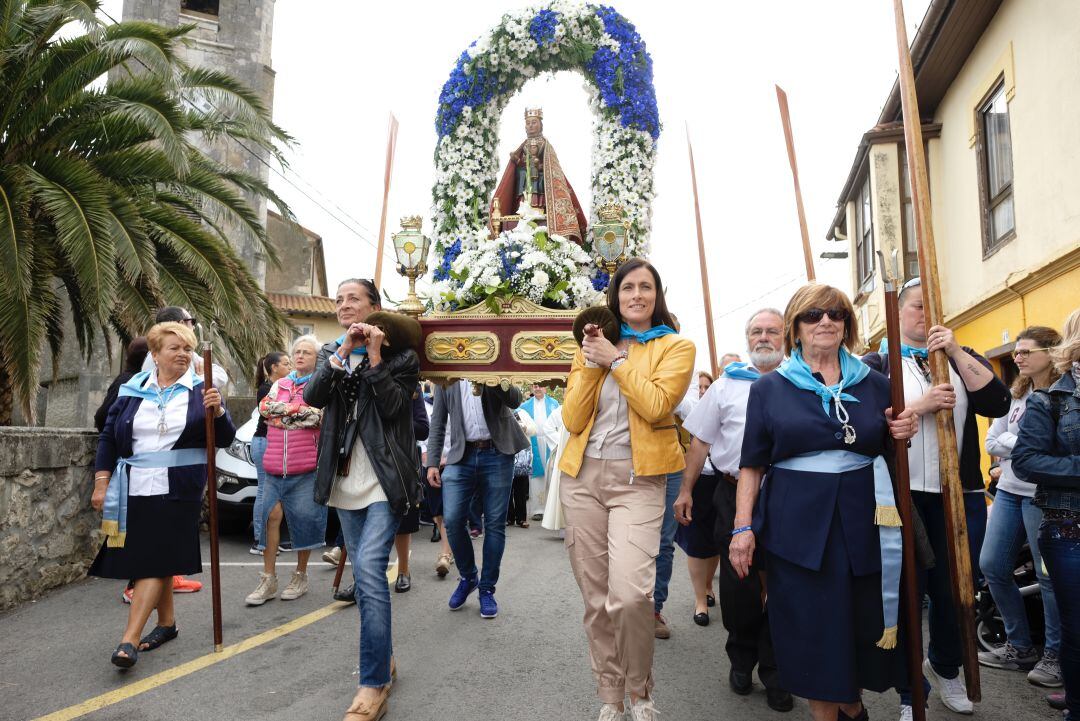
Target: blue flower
point(448, 258)
point(600, 279)
point(542, 27)
point(510, 261)
point(625, 80)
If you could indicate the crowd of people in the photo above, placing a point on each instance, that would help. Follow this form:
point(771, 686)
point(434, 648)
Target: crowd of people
point(774, 478)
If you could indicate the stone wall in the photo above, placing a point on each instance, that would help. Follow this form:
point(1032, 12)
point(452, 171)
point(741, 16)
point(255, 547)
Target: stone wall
point(48, 531)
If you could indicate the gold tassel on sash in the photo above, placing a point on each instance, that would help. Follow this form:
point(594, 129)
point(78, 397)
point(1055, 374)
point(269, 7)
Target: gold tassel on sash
point(888, 639)
point(116, 541)
point(887, 516)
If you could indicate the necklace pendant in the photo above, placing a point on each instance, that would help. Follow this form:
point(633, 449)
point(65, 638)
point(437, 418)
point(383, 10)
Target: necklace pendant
point(849, 434)
point(162, 427)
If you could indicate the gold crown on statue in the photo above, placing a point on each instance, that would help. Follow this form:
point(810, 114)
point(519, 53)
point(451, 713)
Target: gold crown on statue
point(412, 222)
point(534, 113)
point(610, 213)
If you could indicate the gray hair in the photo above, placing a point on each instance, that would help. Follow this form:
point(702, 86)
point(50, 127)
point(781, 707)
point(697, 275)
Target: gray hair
point(756, 313)
point(308, 338)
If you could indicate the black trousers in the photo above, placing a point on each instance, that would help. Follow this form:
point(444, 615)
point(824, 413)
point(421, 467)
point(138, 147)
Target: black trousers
point(749, 642)
point(517, 512)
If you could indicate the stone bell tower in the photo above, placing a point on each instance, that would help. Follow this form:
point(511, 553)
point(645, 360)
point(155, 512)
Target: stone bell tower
point(233, 36)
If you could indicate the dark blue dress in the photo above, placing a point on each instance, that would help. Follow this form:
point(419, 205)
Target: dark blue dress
point(823, 554)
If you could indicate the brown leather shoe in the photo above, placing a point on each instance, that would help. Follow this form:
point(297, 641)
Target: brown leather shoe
point(363, 710)
point(660, 629)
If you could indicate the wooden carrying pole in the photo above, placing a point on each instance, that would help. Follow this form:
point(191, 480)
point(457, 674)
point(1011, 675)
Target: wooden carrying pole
point(391, 144)
point(785, 118)
point(706, 294)
point(910, 600)
point(211, 491)
point(340, 569)
point(952, 495)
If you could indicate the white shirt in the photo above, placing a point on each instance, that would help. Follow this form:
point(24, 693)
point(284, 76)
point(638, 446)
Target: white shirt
point(539, 415)
point(145, 437)
point(360, 487)
point(1000, 440)
point(719, 419)
point(476, 428)
point(923, 460)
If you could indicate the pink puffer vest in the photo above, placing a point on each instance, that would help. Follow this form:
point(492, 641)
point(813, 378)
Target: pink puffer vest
point(289, 452)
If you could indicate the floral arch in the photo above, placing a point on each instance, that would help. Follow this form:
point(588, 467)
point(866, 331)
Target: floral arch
point(593, 40)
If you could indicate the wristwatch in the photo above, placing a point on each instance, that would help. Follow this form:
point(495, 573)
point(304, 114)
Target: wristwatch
point(619, 360)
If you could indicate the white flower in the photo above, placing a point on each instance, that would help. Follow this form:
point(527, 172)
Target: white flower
point(540, 279)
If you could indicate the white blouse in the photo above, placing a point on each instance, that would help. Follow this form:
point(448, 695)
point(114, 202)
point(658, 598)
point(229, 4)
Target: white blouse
point(146, 438)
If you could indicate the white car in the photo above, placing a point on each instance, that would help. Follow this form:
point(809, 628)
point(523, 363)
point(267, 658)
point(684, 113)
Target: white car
point(236, 479)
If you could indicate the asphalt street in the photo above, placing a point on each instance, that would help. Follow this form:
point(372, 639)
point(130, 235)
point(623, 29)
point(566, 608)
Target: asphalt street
point(529, 663)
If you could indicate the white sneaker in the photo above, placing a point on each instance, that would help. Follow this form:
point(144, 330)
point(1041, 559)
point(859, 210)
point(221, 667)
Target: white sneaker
point(297, 587)
point(644, 710)
point(611, 712)
point(906, 714)
point(952, 691)
point(266, 590)
point(333, 556)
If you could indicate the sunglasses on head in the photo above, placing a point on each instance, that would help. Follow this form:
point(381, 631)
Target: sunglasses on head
point(190, 321)
point(814, 315)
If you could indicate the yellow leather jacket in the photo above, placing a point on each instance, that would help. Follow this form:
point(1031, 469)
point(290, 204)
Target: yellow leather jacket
point(653, 380)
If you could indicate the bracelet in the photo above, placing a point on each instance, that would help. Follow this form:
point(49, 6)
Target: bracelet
point(741, 529)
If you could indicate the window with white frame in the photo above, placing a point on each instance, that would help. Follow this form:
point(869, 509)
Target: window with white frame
point(864, 239)
point(994, 150)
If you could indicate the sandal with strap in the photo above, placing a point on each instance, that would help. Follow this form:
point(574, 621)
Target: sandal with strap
point(160, 635)
point(125, 661)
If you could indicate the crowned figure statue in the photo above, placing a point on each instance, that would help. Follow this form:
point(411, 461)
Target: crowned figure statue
point(534, 178)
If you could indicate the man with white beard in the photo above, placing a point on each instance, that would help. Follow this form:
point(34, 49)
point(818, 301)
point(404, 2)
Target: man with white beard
point(717, 424)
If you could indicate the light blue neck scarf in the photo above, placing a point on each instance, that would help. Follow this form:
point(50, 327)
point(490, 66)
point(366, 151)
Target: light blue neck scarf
point(355, 351)
point(135, 388)
point(742, 371)
point(907, 351)
point(657, 331)
point(852, 371)
point(298, 380)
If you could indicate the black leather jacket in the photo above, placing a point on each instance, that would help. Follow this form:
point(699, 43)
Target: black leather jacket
point(383, 418)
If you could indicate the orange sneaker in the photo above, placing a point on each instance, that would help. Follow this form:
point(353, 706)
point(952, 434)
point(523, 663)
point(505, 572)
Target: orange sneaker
point(127, 595)
point(185, 585)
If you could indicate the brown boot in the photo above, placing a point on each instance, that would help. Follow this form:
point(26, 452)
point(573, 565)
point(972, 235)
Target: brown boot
point(660, 628)
point(368, 710)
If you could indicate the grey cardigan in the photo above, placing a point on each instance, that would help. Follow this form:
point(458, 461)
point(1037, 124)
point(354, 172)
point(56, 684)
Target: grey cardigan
point(498, 406)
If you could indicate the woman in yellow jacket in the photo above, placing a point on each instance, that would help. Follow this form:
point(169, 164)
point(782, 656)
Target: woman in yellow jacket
point(623, 443)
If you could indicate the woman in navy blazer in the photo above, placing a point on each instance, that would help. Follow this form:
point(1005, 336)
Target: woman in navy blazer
point(149, 482)
point(819, 427)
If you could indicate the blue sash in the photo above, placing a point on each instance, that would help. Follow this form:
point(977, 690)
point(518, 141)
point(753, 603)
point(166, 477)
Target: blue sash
point(886, 518)
point(114, 516)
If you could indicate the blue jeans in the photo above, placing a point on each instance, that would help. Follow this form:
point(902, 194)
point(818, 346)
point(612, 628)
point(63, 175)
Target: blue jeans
point(369, 535)
point(945, 649)
point(666, 559)
point(258, 450)
point(306, 518)
point(490, 475)
point(1013, 520)
point(1062, 556)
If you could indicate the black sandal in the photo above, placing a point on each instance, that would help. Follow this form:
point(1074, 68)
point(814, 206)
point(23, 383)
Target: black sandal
point(160, 635)
point(125, 661)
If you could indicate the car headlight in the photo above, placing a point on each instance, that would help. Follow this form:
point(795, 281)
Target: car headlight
point(223, 478)
point(240, 450)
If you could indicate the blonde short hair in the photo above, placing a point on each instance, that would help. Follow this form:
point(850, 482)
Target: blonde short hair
point(817, 295)
point(156, 337)
point(1068, 352)
point(308, 338)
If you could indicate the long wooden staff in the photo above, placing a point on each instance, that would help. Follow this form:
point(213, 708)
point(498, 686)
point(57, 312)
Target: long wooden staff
point(710, 333)
point(340, 569)
point(211, 490)
point(785, 118)
point(952, 494)
point(391, 144)
point(912, 603)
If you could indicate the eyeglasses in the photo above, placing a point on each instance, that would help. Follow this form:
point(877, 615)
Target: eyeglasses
point(190, 321)
point(814, 315)
point(1024, 353)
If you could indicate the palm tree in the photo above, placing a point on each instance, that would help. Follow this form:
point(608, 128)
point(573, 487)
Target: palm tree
point(105, 196)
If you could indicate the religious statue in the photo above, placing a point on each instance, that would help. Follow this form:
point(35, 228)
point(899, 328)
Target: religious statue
point(534, 178)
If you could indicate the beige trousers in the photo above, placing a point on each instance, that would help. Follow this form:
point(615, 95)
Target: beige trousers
point(613, 537)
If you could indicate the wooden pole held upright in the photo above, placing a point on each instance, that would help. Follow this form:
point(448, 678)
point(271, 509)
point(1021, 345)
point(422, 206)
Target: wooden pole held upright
point(785, 118)
point(952, 494)
point(709, 330)
point(909, 592)
point(391, 144)
point(211, 491)
point(340, 568)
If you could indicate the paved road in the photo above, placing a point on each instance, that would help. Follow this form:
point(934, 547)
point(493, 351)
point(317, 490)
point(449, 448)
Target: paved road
point(530, 663)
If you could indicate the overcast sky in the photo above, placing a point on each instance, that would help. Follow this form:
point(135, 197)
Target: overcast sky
point(342, 67)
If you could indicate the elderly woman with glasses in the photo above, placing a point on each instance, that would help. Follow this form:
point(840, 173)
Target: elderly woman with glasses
point(149, 483)
point(818, 431)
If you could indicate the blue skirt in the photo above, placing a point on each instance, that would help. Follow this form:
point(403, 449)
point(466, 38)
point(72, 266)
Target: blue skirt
point(825, 625)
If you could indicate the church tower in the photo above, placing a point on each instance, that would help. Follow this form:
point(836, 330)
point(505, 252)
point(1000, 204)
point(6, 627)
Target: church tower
point(233, 36)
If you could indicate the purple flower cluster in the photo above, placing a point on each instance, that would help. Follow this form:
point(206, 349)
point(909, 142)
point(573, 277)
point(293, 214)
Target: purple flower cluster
point(625, 79)
point(600, 279)
point(464, 89)
point(542, 27)
point(448, 258)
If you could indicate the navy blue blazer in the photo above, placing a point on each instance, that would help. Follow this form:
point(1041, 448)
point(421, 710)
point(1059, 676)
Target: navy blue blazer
point(796, 509)
point(186, 483)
